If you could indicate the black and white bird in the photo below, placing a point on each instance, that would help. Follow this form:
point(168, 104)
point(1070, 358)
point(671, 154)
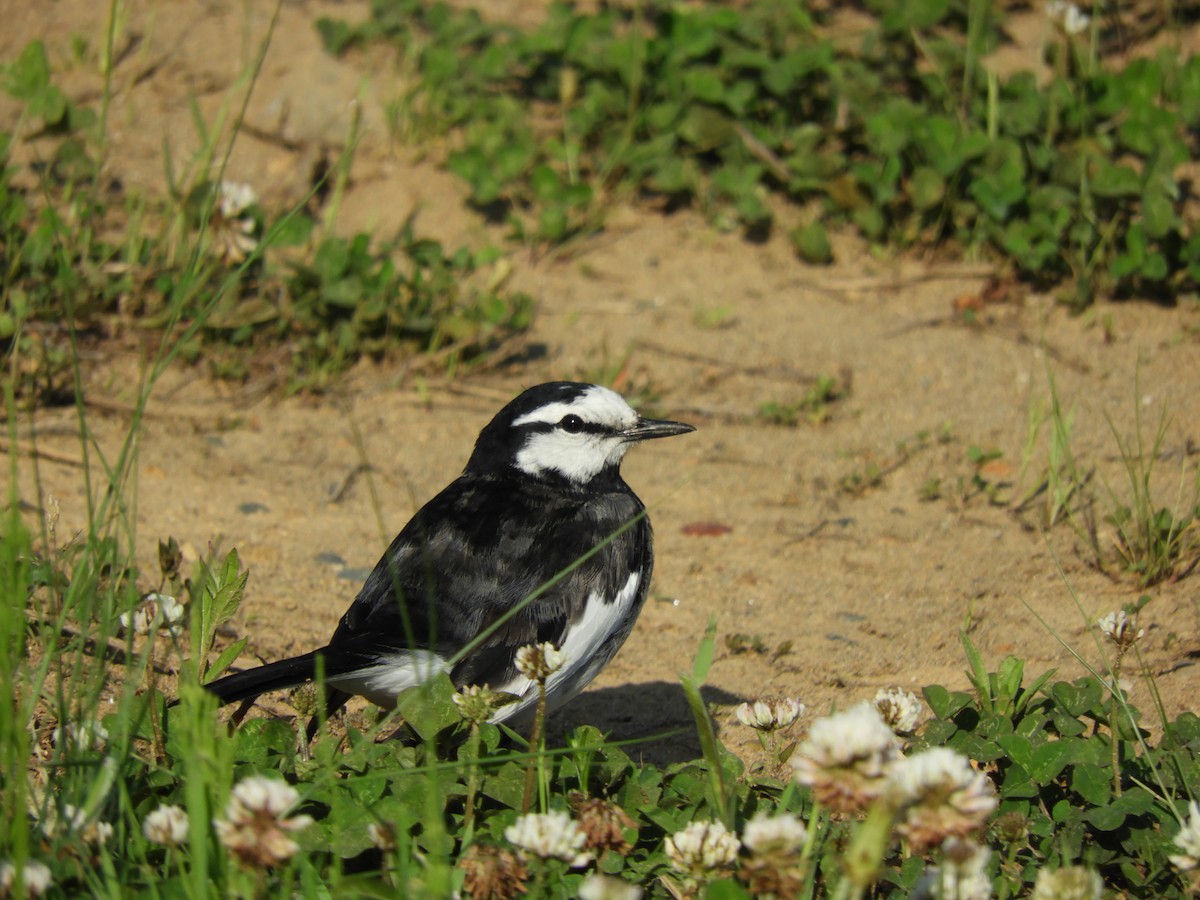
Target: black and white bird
point(541, 491)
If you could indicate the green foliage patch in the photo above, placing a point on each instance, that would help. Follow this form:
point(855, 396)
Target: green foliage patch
point(82, 256)
point(768, 113)
point(1077, 779)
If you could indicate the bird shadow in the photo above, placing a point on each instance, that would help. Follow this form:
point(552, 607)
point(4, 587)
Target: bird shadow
point(655, 715)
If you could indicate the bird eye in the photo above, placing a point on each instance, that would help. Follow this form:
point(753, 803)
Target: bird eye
point(571, 424)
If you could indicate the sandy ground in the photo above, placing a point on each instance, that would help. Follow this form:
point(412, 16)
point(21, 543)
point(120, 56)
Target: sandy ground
point(846, 591)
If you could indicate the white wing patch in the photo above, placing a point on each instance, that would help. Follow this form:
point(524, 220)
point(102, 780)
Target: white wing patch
point(581, 648)
point(396, 672)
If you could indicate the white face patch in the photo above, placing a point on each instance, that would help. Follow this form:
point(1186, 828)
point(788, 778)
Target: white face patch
point(578, 457)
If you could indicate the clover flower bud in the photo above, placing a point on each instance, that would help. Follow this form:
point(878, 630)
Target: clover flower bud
point(538, 662)
point(770, 714)
point(1121, 628)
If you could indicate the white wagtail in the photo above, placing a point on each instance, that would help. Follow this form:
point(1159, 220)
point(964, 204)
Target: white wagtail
point(540, 511)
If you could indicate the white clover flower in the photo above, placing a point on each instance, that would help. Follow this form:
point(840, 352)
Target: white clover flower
point(233, 222)
point(155, 612)
point(255, 827)
point(771, 714)
point(756, 715)
point(1068, 883)
point(900, 709)
point(166, 825)
point(235, 198)
point(85, 735)
point(538, 662)
point(702, 849)
point(75, 821)
point(1068, 16)
point(962, 875)
point(1188, 840)
point(36, 876)
point(605, 887)
point(765, 834)
point(1076, 21)
point(939, 796)
point(775, 865)
point(1121, 629)
point(846, 758)
point(552, 835)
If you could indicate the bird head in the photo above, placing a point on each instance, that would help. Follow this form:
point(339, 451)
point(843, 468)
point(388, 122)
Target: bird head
point(565, 430)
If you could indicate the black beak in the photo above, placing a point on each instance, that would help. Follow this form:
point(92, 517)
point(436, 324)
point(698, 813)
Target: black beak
point(645, 429)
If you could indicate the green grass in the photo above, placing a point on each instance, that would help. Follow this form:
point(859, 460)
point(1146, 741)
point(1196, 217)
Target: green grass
point(1138, 522)
point(813, 407)
point(1154, 540)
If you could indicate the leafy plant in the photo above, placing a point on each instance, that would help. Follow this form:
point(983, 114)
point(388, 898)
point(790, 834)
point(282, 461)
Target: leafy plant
point(1051, 747)
point(216, 596)
point(243, 280)
point(1152, 540)
point(355, 301)
point(987, 478)
point(744, 114)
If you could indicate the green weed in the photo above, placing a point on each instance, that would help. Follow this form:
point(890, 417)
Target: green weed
point(750, 114)
point(813, 407)
point(987, 479)
point(1064, 482)
point(1153, 541)
point(240, 281)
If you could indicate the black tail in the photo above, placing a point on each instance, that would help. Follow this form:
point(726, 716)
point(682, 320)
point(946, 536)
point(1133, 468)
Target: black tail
point(276, 676)
point(288, 673)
